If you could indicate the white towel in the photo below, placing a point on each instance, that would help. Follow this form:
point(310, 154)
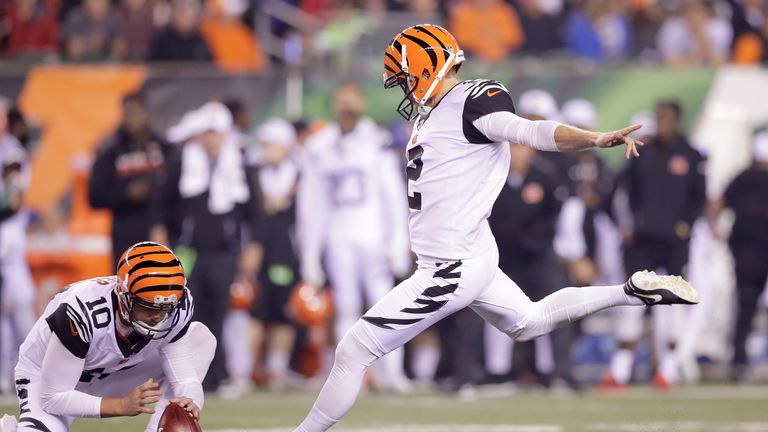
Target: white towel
point(226, 184)
point(277, 181)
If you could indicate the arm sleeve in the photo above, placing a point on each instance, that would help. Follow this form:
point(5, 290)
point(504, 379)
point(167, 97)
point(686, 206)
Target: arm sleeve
point(186, 372)
point(60, 373)
point(506, 126)
point(311, 213)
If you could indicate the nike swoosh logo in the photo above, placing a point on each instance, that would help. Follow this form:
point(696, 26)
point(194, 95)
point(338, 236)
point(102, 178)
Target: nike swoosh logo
point(653, 297)
point(492, 94)
point(72, 329)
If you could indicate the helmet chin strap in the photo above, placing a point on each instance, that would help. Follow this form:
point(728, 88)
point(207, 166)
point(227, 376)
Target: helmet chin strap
point(422, 103)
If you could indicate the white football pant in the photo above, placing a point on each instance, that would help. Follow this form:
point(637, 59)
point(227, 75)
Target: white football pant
point(437, 289)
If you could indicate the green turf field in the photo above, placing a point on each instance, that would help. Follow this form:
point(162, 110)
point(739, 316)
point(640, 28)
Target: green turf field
point(706, 408)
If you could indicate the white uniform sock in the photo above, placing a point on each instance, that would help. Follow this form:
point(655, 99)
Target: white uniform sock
point(392, 372)
point(668, 366)
point(621, 365)
point(545, 357)
point(571, 304)
point(498, 351)
point(342, 387)
point(425, 360)
point(277, 363)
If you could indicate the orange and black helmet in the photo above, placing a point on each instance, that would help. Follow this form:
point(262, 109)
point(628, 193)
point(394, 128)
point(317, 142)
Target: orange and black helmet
point(149, 274)
point(417, 60)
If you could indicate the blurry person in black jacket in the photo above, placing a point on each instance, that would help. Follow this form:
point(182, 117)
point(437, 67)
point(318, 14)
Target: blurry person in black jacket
point(747, 196)
point(124, 173)
point(207, 210)
point(523, 221)
point(666, 194)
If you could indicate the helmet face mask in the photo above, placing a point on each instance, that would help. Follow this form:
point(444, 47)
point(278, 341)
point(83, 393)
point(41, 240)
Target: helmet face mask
point(417, 59)
point(150, 282)
point(406, 108)
point(138, 307)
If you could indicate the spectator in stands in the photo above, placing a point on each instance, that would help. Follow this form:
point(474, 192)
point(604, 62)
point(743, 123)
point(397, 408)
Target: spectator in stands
point(207, 210)
point(138, 28)
point(125, 172)
point(645, 17)
point(695, 36)
point(181, 40)
point(488, 29)
point(92, 32)
point(349, 22)
point(747, 196)
point(541, 24)
point(31, 29)
point(233, 44)
point(749, 19)
point(599, 31)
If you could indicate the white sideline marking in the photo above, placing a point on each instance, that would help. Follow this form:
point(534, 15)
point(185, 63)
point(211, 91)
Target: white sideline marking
point(607, 427)
point(685, 426)
point(427, 428)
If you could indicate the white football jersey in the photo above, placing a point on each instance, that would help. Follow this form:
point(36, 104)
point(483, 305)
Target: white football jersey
point(83, 317)
point(351, 187)
point(455, 173)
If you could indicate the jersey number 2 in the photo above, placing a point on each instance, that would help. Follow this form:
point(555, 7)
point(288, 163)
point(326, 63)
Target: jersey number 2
point(413, 170)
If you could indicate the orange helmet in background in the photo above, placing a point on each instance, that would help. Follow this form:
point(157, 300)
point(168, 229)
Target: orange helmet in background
point(417, 60)
point(310, 306)
point(150, 274)
point(243, 293)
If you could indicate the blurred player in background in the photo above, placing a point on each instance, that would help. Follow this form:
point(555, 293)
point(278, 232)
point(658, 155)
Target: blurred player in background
point(278, 174)
point(276, 170)
point(458, 162)
point(747, 196)
point(352, 213)
point(207, 210)
point(17, 297)
point(115, 346)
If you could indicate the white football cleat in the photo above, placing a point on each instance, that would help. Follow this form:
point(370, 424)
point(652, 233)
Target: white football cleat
point(655, 289)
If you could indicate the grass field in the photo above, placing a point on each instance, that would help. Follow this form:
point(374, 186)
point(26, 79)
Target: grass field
point(692, 409)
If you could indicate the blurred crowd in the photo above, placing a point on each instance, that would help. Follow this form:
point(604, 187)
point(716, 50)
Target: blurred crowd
point(289, 231)
point(248, 35)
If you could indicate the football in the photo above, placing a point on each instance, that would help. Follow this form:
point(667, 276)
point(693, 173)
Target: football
point(177, 419)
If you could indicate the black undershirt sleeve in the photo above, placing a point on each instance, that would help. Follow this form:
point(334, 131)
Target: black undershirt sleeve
point(484, 98)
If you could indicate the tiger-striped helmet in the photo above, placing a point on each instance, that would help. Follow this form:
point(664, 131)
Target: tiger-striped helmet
point(417, 60)
point(150, 275)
